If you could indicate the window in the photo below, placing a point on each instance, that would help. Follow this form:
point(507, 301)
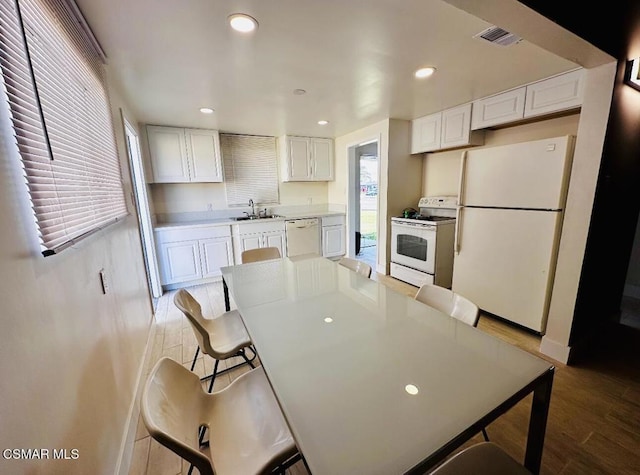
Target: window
point(250, 169)
point(62, 120)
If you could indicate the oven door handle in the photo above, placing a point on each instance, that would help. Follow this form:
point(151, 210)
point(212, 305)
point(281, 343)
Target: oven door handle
point(413, 227)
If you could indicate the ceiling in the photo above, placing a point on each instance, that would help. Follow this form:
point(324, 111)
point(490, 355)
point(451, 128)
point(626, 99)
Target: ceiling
point(355, 59)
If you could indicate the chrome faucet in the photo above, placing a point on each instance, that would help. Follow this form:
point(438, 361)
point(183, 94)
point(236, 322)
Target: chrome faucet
point(253, 209)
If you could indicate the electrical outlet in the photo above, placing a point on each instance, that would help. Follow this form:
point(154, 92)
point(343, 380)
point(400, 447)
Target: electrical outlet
point(103, 281)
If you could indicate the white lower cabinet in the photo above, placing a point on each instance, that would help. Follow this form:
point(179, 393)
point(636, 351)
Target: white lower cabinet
point(333, 236)
point(180, 261)
point(191, 254)
point(214, 254)
point(257, 235)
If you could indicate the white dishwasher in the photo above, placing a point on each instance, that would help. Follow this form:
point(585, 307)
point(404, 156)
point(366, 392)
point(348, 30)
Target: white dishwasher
point(303, 236)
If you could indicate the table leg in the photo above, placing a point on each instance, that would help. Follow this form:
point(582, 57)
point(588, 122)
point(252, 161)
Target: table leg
point(538, 422)
point(227, 305)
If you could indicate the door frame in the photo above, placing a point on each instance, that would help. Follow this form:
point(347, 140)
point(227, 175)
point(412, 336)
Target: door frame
point(141, 201)
point(353, 195)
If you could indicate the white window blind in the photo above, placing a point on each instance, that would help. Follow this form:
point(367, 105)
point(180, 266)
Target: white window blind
point(250, 169)
point(62, 120)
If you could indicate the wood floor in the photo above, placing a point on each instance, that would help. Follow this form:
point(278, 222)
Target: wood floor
point(594, 420)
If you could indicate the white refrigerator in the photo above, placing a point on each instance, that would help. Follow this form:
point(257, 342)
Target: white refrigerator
point(511, 202)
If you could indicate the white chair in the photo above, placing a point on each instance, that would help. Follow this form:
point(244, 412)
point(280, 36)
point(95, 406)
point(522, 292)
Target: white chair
point(485, 458)
point(261, 254)
point(221, 338)
point(450, 303)
point(357, 266)
point(247, 433)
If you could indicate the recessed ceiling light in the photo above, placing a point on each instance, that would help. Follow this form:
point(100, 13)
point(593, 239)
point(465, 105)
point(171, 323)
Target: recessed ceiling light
point(411, 389)
point(299, 92)
point(425, 72)
point(323, 122)
point(206, 110)
point(242, 22)
point(328, 320)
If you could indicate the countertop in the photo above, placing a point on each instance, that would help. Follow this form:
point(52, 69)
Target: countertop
point(228, 221)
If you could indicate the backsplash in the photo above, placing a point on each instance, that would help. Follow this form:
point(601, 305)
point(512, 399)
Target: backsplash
point(163, 218)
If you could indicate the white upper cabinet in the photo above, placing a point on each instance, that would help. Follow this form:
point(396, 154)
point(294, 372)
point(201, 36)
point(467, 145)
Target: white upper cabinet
point(168, 150)
point(447, 129)
point(322, 153)
point(548, 96)
point(306, 158)
point(184, 155)
point(297, 159)
point(426, 133)
point(456, 127)
point(203, 147)
point(555, 94)
point(499, 109)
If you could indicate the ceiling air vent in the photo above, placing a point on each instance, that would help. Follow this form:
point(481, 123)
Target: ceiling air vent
point(498, 36)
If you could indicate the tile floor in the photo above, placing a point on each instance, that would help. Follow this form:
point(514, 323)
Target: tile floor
point(369, 254)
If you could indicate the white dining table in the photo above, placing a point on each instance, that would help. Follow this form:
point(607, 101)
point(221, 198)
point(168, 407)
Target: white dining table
point(371, 381)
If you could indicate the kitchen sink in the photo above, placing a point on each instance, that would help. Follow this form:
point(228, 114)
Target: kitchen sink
point(250, 218)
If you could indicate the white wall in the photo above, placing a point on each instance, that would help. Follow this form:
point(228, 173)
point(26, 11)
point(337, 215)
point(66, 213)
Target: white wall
point(338, 190)
point(193, 197)
point(399, 181)
point(405, 177)
point(577, 216)
point(69, 355)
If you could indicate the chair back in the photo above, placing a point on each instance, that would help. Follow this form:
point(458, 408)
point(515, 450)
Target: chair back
point(260, 254)
point(357, 266)
point(450, 303)
point(171, 405)
point(485, 458)
point(193, 311)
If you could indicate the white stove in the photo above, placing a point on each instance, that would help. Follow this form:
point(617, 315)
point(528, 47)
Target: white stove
point(422, 243)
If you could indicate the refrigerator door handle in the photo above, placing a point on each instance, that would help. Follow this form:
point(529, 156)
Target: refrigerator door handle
point(463, 169)
point(456, 236)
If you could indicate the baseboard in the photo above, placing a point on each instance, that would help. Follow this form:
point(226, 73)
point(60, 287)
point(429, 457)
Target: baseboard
point(131, 426)
point(632, 291)
point(555, 350)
